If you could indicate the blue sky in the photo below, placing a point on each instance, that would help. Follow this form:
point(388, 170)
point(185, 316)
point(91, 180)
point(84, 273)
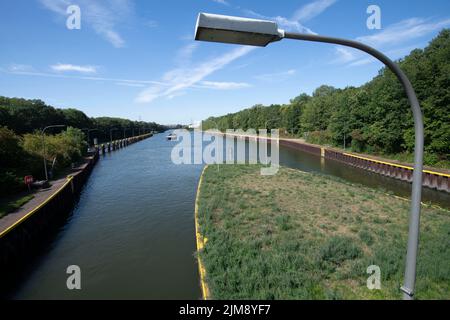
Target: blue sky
point(138, 60)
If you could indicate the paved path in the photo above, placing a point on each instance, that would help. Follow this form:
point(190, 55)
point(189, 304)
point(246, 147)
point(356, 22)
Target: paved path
point(39, 196)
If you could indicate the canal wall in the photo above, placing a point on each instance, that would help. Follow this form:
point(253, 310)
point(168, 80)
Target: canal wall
point(121, 143)
point(431, 179)
point(19, 240)
point(25, 234)
point(200, 241)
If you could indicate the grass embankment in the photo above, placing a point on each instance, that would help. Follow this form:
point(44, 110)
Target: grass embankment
point(12, 203)
point(299, 235)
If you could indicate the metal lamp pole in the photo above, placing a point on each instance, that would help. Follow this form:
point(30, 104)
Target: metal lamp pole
point(124, 130)
point(90, 130)
point(43, 146)
point(225, 29)
point(110, 133)
point(416, 194)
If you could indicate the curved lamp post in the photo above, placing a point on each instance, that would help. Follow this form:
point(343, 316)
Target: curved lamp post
point(226, 29)
point(43, 145)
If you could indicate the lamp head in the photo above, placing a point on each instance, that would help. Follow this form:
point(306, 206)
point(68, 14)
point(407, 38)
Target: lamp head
point(236, 30)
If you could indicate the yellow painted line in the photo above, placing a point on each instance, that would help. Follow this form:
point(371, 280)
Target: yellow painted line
point(396, 165)
point(29, 214)
point(200, 242)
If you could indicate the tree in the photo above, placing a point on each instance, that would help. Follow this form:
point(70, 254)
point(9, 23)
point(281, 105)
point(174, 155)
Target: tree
point(374, 117)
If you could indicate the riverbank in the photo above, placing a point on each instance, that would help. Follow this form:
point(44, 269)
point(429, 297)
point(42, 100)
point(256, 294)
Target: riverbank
point(433, 178)
point(300, 235)
point(40, 196)
point(129, 238)
point(19, 204)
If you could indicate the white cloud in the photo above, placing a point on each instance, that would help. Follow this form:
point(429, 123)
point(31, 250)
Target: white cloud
point(312, 10)
point(103, 17)
point(180, 79)
point(184, 55)
point(404, 31)
point(131, 84)
point(60, 67)
point(20, 68)
point(303, 14)
point(151, 23)
point(32, 72)
point(394, 54)
point(389, 39)
point(277, 76)
point(345, 54)
point(58, 6)
point(223, 85)
point(224, 2)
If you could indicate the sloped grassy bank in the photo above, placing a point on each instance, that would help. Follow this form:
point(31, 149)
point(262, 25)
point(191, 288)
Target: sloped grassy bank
point(301, 235)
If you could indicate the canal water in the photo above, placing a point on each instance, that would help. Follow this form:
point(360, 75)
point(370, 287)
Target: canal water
point(132, 231)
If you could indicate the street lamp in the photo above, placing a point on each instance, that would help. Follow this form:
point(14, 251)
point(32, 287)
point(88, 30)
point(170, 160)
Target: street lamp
point(124, 130)
point(226, 29)
point(89, 134)
point(110, 133)
point(43, 146)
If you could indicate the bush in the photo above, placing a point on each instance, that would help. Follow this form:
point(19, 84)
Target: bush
point(319, 137)
point(10, 149)
point(9, 183)
point(67, 147)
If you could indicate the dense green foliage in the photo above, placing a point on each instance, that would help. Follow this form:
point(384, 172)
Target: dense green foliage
point(298, 235)
point(20, 156)
point(374, 118)
point(25, 116)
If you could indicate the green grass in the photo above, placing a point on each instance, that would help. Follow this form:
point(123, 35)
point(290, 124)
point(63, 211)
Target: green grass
point(10, 205)
point(299, 235)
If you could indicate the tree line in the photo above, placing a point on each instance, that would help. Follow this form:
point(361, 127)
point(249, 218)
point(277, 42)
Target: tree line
point(373, 118)
point(26, 116)
point(22, 146)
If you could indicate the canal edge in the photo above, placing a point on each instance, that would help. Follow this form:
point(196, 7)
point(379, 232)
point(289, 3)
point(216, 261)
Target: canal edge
point(37, 208)
point(200, 241)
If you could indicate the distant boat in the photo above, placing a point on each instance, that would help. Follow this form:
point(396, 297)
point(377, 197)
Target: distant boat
point(172, 136)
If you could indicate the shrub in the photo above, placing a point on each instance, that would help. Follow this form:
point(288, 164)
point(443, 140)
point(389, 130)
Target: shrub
point(67, 147)
point(10, 149)
point(9, 183)
point(319, 137)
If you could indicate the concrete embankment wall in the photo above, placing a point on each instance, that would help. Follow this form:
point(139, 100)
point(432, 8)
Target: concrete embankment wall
point(19, 239)
point(24, 234)
point(122, 143)
point(431, 179)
